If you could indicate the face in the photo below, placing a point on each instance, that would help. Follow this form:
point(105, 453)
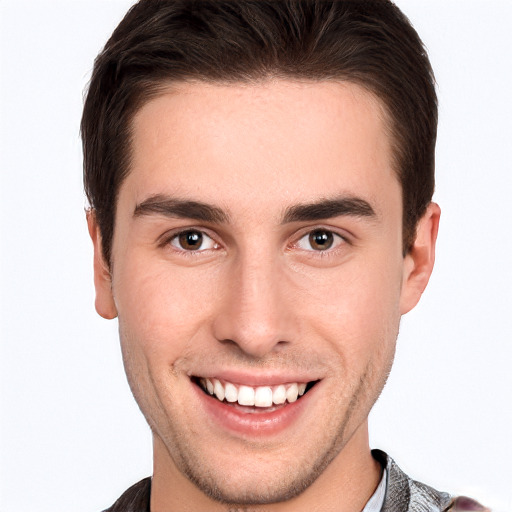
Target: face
point(258, 277)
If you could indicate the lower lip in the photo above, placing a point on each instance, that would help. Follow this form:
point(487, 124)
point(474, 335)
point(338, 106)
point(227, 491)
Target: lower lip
point(253, 421)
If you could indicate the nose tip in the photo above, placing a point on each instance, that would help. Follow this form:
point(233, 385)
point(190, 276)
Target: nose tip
point(255, 326)
point(252, 314)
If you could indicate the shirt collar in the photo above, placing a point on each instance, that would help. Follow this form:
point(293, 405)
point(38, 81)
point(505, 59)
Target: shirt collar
point(376, 502)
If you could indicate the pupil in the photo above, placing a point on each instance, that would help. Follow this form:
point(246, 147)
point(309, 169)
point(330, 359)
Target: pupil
point(191, 239)
point(321, 240)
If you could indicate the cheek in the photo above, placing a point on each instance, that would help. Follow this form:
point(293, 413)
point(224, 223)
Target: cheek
point(355, 307)
point(161, 313)
point(162, 307)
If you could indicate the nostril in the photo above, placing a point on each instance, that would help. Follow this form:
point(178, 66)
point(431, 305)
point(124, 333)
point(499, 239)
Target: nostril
point(227, 342)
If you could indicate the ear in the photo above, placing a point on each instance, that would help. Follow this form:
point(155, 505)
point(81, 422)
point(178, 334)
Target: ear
point(105, 305)
point(419, 261)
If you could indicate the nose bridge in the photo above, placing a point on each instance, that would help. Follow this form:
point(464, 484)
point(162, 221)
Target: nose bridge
point(252, 314)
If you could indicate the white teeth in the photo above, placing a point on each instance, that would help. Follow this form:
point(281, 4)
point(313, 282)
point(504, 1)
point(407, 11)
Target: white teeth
point(231, 394)
point(262, 397)
point(279, 395)
point(218, 389)
point(246, 395)
point(292, 393)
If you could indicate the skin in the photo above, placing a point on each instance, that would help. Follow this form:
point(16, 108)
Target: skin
point(257, 297)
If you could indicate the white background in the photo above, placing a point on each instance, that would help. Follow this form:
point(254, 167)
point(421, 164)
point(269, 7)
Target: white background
point(72, 438)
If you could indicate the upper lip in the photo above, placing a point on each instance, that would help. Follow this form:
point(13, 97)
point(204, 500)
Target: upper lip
point(258, 379)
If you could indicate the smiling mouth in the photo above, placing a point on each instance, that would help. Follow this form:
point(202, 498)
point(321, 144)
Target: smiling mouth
point(249, 396)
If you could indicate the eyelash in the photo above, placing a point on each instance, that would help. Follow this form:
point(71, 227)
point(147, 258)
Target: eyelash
point(339, 240)
point(337, 244)
point(168, 241)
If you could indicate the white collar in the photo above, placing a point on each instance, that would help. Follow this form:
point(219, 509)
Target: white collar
point(377, 500)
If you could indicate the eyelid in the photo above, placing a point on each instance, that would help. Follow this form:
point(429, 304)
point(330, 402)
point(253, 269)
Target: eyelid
point(339, 233)
point(166, 239)
point(205, 240)
point(337, 241)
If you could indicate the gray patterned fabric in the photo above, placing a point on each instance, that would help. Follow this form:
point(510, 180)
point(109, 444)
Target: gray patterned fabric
point(407, 495)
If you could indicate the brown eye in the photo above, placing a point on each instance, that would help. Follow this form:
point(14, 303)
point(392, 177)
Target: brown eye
point(321, 240)
point(193, 240)
point(190, 240)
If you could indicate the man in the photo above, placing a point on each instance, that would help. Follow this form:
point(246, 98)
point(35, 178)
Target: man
point(260, 177)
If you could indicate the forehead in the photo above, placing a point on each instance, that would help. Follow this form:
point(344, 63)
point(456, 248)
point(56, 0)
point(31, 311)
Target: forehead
point(268, 142)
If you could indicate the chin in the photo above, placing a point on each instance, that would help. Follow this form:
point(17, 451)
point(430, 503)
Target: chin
point(264, 489)
point(251, 480)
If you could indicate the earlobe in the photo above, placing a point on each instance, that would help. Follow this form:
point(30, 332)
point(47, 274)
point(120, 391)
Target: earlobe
point(419, 261)
point(105, 305)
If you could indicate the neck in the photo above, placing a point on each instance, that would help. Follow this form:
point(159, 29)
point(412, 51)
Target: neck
point(345, 485)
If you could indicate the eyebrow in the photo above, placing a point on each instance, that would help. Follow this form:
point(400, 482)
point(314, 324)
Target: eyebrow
point(329, 208)
point(180, 208)
point(203, 212)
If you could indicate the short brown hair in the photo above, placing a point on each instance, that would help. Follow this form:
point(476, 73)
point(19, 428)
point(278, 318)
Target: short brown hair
point(369, 43)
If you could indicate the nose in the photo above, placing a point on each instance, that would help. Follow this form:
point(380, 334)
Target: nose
point(252, 313)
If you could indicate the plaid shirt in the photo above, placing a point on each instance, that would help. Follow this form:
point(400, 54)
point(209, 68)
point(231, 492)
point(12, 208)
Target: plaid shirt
point(402, 495)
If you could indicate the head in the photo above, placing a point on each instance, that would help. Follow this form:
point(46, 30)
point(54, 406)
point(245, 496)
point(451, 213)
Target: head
point(260, 177)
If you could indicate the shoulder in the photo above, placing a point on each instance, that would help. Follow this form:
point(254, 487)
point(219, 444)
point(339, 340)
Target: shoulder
point(407, 495)
point(135, 499)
